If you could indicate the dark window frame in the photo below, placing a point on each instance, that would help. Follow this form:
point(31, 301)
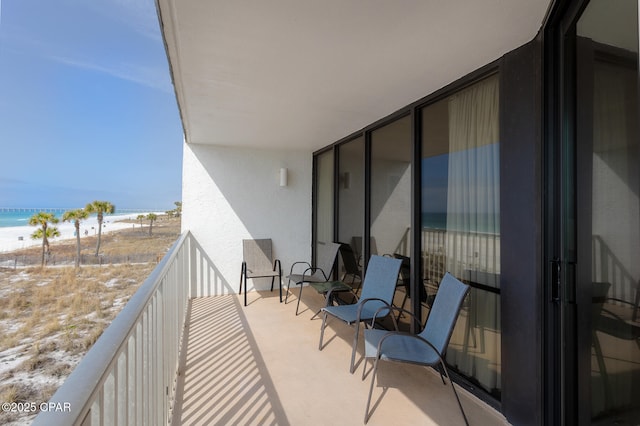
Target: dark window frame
point(414, 111)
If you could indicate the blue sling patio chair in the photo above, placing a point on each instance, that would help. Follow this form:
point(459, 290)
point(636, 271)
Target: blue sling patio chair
point(376, 298)
point(320, 273)
point(426, 348)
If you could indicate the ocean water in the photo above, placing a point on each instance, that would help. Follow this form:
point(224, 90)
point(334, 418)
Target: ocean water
point(20, 217)
point(483, 223)
point(434, 220)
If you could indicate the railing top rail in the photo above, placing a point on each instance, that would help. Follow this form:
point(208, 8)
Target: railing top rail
point(457, 231)
point(80, 387)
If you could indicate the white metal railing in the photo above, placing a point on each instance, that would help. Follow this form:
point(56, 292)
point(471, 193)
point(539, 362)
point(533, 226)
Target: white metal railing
point(456, 251)
point(129, 375)
point(608, 267)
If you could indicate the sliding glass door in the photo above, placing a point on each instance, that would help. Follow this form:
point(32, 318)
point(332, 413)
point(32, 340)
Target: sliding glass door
point(607, 278)
point(351, 177)
point(323, 214)
point(594, 327)
point(450, 150)
point(391, 189)
point(461, 221)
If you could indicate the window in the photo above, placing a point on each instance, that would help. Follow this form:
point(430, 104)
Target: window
point(351, 193)
point(461, 221)
point(324, 198)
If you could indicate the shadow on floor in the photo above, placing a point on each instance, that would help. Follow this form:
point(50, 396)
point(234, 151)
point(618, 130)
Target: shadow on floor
point(224, 380)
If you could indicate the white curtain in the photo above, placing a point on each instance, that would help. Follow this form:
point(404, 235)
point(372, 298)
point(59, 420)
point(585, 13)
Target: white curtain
point(473, 218)
point(473, 200)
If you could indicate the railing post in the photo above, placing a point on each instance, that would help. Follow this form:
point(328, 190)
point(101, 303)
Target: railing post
point(193, 268)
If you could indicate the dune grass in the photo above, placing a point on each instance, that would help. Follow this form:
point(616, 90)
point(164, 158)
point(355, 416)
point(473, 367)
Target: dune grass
point(51, 316)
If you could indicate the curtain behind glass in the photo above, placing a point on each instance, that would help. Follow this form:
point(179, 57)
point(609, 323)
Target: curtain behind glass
point(473, 230)
point(473, 200)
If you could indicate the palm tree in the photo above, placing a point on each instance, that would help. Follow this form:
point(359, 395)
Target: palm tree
point(140, 217)
point(76, 216)
point(100, 207)
point(151, 217)
point(43, 219)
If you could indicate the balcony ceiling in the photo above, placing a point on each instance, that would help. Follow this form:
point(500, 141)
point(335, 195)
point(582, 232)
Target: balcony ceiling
point(303, 74)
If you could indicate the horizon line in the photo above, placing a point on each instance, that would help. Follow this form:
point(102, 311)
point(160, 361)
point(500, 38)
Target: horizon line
point(6, 209)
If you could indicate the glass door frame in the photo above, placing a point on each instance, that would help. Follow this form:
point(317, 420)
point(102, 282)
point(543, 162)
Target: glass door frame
point(568, 305)
point(561, 399)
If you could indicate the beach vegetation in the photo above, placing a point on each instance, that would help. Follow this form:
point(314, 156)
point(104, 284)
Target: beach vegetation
point(44, 220)
point(177, 212)
point(76, 216)
point(100, 208)
point(152, 217)
point(52, 316)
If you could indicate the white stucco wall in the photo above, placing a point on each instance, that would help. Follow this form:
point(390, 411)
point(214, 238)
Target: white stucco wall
point(230, 194)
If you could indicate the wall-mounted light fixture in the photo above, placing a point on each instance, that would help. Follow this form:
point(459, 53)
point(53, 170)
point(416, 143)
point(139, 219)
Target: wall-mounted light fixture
point(283, 176)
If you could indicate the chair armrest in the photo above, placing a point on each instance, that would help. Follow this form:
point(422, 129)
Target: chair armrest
point(410, 336)
point(330, 293)
point(626, 302)
point(612, 315)
point(313, 271)
point(394, 308)
point(298, 263)
point(279, 265)
point(365, 301)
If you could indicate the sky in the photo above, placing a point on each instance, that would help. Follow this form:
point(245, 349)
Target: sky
point(87, 108)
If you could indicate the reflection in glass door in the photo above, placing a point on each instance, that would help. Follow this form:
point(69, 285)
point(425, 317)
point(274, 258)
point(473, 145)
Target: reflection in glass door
point(461, 222)
point(607, 188)
point(351, 207)
point(391, 188)
point(323, 199)
point(391, 198)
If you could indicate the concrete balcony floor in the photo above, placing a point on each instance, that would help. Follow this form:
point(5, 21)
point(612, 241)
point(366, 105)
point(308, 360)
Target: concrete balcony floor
point(260, 364)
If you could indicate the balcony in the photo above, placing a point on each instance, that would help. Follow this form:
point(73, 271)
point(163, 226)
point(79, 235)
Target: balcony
point(173, 358)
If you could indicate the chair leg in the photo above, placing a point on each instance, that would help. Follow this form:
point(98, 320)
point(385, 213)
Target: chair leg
point(286, 297)
point(353, 280)
point(634, 316)
point(280, 286)
point(324, 322)
point(441, 375)
point(272, 280)
point(364, 368)
point(404, 301)
point(241, 276)
point(355, 346)
point(464, 416)
point(299, 298)
point(245, 289)
point(373, 380)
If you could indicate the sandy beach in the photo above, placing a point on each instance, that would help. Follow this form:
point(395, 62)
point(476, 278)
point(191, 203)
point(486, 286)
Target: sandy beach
point(18, 237)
